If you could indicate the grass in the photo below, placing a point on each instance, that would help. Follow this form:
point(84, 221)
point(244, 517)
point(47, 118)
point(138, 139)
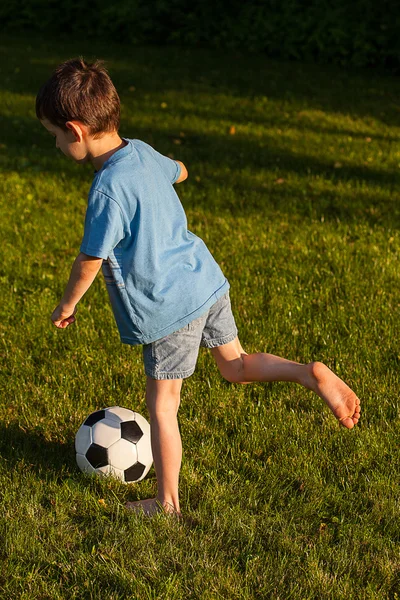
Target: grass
point(293, 173)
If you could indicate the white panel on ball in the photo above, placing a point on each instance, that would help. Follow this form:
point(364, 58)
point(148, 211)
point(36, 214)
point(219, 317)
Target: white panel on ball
point(118, 413)
point(83, 439)
point(145, 455)
point(118, 473)
point(109, 471)
point(144, 425)
point(106, 432)
point(103, 471)
point(84, 464)
point(122, 454)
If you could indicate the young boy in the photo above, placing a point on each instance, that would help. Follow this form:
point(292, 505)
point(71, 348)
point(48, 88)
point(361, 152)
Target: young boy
point(166, 290)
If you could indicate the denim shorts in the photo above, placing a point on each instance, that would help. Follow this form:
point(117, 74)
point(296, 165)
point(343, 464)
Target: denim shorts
point(175, 355)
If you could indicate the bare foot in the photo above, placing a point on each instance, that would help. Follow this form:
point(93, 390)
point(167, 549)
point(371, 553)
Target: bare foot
point(151, 507)
point(338, 396)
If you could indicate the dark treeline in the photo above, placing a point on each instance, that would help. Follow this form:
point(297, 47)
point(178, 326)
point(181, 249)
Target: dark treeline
point(357, 33)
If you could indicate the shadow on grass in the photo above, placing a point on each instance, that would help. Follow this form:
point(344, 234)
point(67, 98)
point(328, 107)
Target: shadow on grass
point(29, 449)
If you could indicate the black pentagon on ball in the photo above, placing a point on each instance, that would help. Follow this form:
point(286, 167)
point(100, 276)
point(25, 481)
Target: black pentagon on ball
point(131, 431)
point(94, 417)
point(134, 473)
point(97, 456)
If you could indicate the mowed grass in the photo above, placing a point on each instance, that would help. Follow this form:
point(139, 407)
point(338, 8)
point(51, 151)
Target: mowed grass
point(293, 184)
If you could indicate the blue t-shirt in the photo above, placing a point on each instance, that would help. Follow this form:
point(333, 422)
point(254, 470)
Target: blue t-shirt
point(159, 275)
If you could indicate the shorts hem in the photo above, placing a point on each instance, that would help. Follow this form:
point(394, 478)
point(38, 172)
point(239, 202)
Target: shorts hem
point(170, 375)
point(219, 341)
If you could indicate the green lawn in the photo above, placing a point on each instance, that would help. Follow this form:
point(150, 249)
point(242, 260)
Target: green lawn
point(293, 174)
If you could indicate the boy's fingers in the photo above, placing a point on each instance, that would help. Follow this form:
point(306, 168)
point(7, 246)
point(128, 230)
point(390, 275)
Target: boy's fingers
point(68, 321)
point(64, 322)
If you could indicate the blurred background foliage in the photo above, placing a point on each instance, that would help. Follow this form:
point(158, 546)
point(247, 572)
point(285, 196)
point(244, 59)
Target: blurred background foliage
point(358, 33)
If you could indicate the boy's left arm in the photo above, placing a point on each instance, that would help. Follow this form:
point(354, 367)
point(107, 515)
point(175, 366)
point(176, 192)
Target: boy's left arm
point(184, 173)
point(83, 273)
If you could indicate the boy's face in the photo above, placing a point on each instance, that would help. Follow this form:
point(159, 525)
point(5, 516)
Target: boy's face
point(69, 142)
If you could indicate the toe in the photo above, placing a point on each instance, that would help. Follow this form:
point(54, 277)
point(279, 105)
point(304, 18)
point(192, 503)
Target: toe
point(347, 422)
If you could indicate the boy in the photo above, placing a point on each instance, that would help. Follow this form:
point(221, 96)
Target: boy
point(166, 290)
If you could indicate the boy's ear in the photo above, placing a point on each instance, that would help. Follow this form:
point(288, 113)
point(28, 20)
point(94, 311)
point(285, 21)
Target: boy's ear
point(78, 129)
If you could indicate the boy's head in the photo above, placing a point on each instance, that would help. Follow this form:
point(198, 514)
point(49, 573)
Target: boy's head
point(79, 91)
point(78, 97)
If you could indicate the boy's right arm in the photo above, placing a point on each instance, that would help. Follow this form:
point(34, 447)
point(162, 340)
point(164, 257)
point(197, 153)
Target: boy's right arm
point(83, 273)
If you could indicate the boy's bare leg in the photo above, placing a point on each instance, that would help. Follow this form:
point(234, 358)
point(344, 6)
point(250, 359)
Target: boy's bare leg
point(239, 367)
point(163, 399)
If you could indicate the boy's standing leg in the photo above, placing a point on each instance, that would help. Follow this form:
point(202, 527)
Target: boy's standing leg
point(163, 399)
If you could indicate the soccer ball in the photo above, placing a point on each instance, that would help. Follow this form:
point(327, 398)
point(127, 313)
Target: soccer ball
point(114, 441)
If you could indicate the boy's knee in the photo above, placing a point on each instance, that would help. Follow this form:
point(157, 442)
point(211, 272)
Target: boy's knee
point(234, 370)
point(162, 403)
point(163, 410)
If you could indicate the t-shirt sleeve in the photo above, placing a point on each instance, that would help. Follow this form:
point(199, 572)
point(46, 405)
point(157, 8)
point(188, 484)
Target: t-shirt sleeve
point(104, 227)
point(171, 168)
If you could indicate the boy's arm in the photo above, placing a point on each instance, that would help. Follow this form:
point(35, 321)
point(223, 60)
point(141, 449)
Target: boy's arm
point(184, 173)
point(83, 273)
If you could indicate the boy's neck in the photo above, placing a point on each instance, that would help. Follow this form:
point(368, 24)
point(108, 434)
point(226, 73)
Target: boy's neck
point(101, 149)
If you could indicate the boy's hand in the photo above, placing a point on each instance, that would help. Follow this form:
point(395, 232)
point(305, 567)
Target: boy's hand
point(62, 318)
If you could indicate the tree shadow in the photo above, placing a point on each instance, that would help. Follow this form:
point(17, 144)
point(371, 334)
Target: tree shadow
point(247, 167)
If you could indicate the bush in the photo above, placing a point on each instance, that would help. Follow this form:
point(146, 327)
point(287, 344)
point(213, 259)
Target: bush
point(359, 33)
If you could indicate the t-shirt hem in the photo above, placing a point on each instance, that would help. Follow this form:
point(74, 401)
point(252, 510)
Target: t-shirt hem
point(135, 341)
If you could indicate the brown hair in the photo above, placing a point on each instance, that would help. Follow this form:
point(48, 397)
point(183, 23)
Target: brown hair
point(80, 91)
